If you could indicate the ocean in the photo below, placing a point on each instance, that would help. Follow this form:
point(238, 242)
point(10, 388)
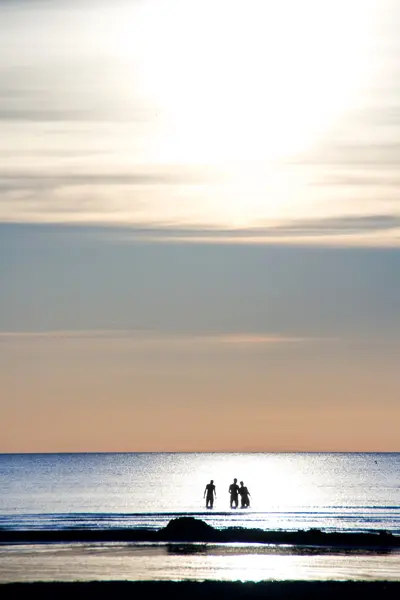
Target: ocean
point(332, 492)
point(289, 491)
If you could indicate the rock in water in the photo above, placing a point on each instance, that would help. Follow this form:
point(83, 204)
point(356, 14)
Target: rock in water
point(188, 529)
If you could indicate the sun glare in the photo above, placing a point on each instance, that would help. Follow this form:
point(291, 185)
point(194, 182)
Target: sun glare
point(240, 81)
point(237, 89)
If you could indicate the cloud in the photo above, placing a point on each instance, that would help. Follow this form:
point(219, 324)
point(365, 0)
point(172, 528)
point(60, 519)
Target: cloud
point(187, 203)
point(345, 224)
point(372, 229)
point(347, 229)
point(30, 181)
point(143, 338)
point(378, 179)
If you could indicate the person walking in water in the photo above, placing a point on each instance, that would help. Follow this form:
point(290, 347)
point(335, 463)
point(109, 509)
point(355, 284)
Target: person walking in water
point(234, 491)
point(244, 496)
point(209, 494)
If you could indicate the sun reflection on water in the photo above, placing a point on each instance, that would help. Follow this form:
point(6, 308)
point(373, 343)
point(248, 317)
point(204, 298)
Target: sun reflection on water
point(276, 483)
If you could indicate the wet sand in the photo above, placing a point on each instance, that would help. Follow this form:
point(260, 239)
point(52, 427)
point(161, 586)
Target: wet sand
point(187, 530)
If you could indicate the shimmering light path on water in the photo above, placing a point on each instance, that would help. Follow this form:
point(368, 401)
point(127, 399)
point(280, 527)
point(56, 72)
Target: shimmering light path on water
point(288, 491)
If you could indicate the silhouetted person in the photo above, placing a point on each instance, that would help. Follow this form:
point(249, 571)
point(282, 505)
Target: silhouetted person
point(244, 496)
point(209, 494)
point(234, 491)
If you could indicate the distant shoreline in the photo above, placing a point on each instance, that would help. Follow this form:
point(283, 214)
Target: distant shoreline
point(286, 590)
point(189, 529)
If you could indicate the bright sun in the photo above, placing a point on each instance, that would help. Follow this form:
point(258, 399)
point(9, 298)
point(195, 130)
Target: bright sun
point(246, 80)
point(237, 88)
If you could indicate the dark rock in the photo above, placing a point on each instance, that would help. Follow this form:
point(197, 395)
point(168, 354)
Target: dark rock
point(186, 529)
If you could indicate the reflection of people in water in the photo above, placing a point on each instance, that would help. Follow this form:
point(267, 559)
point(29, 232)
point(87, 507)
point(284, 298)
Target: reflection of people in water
point(234, 490)
point(209, 494)
point(244, 496)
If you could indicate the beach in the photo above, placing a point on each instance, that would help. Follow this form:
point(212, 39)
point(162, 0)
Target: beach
point(190, 550)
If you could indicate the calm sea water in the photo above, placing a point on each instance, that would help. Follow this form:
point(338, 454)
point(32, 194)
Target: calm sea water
point(356, 492)
point(345, 492)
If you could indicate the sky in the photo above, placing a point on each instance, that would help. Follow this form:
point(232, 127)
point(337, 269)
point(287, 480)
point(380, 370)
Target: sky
point(199, 225)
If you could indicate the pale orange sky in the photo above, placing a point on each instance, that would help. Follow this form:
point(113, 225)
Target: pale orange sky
point(107, 393)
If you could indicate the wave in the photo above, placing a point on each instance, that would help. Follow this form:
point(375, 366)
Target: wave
point(338, 519)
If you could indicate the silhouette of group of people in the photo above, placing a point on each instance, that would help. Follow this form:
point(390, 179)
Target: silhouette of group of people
point(210, 493)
